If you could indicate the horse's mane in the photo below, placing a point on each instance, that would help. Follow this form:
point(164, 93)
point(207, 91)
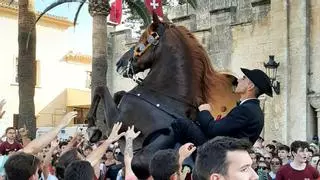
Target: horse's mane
point(216, 88)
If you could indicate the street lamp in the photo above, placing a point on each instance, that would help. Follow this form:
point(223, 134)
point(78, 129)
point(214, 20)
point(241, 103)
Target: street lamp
point(271, 70)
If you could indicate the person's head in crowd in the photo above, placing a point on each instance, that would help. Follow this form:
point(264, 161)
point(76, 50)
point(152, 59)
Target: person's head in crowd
point(270, 148)
point(315, 140)
point(67, 158)
point(22, 166)
point(165, 165)
point(63, 145)
point(283, 152)
point(318, 166)
point(11, 133)
point(87, 150)
point(140, 164)
point(267, 157)
point(253, 157)
point(79, 170)
point(314, 159)
point(275, 164)
point(309, 154)
point(109, 154)
point(261, 158)
point(264, 166)
point(259, 143)
point(314, 147)
point(224, 158)
point(299, 151)
point(274, 142)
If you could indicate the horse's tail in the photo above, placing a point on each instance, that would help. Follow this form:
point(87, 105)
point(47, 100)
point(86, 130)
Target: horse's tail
point(111, 112)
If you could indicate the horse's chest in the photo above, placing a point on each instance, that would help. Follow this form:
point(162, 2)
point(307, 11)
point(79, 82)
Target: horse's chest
point(143, 104)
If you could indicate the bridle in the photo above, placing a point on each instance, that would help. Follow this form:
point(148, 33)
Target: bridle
point(152, 41)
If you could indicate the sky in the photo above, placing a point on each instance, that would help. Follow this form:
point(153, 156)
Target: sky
point(80, 36)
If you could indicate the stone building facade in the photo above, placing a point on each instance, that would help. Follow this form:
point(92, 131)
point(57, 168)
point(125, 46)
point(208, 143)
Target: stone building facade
point(243, 33)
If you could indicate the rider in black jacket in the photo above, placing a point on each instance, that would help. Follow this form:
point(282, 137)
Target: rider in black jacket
point(244, 121)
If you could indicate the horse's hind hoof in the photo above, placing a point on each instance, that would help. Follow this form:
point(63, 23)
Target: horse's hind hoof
point(94, 134)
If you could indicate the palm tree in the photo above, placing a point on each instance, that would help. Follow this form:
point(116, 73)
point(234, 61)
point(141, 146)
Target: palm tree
point(99, 10)
point(27, 65)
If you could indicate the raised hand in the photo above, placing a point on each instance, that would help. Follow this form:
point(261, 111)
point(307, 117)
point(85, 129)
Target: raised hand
point(54, 143)
point(114, 136)
point(2, 103)
point(130, 134)
point(185, 151)
point(67, 118)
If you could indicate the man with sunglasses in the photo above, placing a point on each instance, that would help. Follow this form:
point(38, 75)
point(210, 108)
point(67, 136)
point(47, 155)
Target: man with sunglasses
point(244, 121)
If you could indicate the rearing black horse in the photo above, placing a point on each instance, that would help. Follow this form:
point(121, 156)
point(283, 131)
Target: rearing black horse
point(180, 78)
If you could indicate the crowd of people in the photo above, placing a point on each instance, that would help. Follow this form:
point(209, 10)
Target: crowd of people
point(208, 149)
point(47, 158)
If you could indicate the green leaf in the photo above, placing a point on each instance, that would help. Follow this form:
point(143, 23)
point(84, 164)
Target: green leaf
point(55, 4)
point(137, 6)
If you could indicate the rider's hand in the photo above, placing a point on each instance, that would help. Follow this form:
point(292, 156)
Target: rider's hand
point(205, 107)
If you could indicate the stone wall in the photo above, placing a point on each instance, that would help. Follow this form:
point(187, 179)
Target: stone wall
point(243, 33)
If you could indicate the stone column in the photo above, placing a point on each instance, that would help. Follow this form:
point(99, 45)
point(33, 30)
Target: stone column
point(297, 67)
point(315, 103)
point(318, 121)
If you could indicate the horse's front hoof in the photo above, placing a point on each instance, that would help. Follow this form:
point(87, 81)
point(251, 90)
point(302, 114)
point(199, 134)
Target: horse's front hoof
point(94, 134)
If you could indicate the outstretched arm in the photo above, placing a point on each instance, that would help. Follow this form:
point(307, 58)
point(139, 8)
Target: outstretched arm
point(2, 103)
point(128, 151)
point(47, 159)
point(38, 144)
point(95, 156)
point(184, 152)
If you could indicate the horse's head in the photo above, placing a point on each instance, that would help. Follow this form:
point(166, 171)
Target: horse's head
point(142, 56)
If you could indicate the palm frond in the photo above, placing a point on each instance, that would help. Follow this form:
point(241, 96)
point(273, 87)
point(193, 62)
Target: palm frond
point(55, 4)
point(138, 7)
point(193, 3)
point(77, 13)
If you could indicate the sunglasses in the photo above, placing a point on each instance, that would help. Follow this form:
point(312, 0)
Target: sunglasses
point(275, 163)
point(262, 167)
point(267, 157)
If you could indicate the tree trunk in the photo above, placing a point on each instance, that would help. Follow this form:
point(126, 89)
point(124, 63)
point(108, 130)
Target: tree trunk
point(99, 63)
point(27, 65)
